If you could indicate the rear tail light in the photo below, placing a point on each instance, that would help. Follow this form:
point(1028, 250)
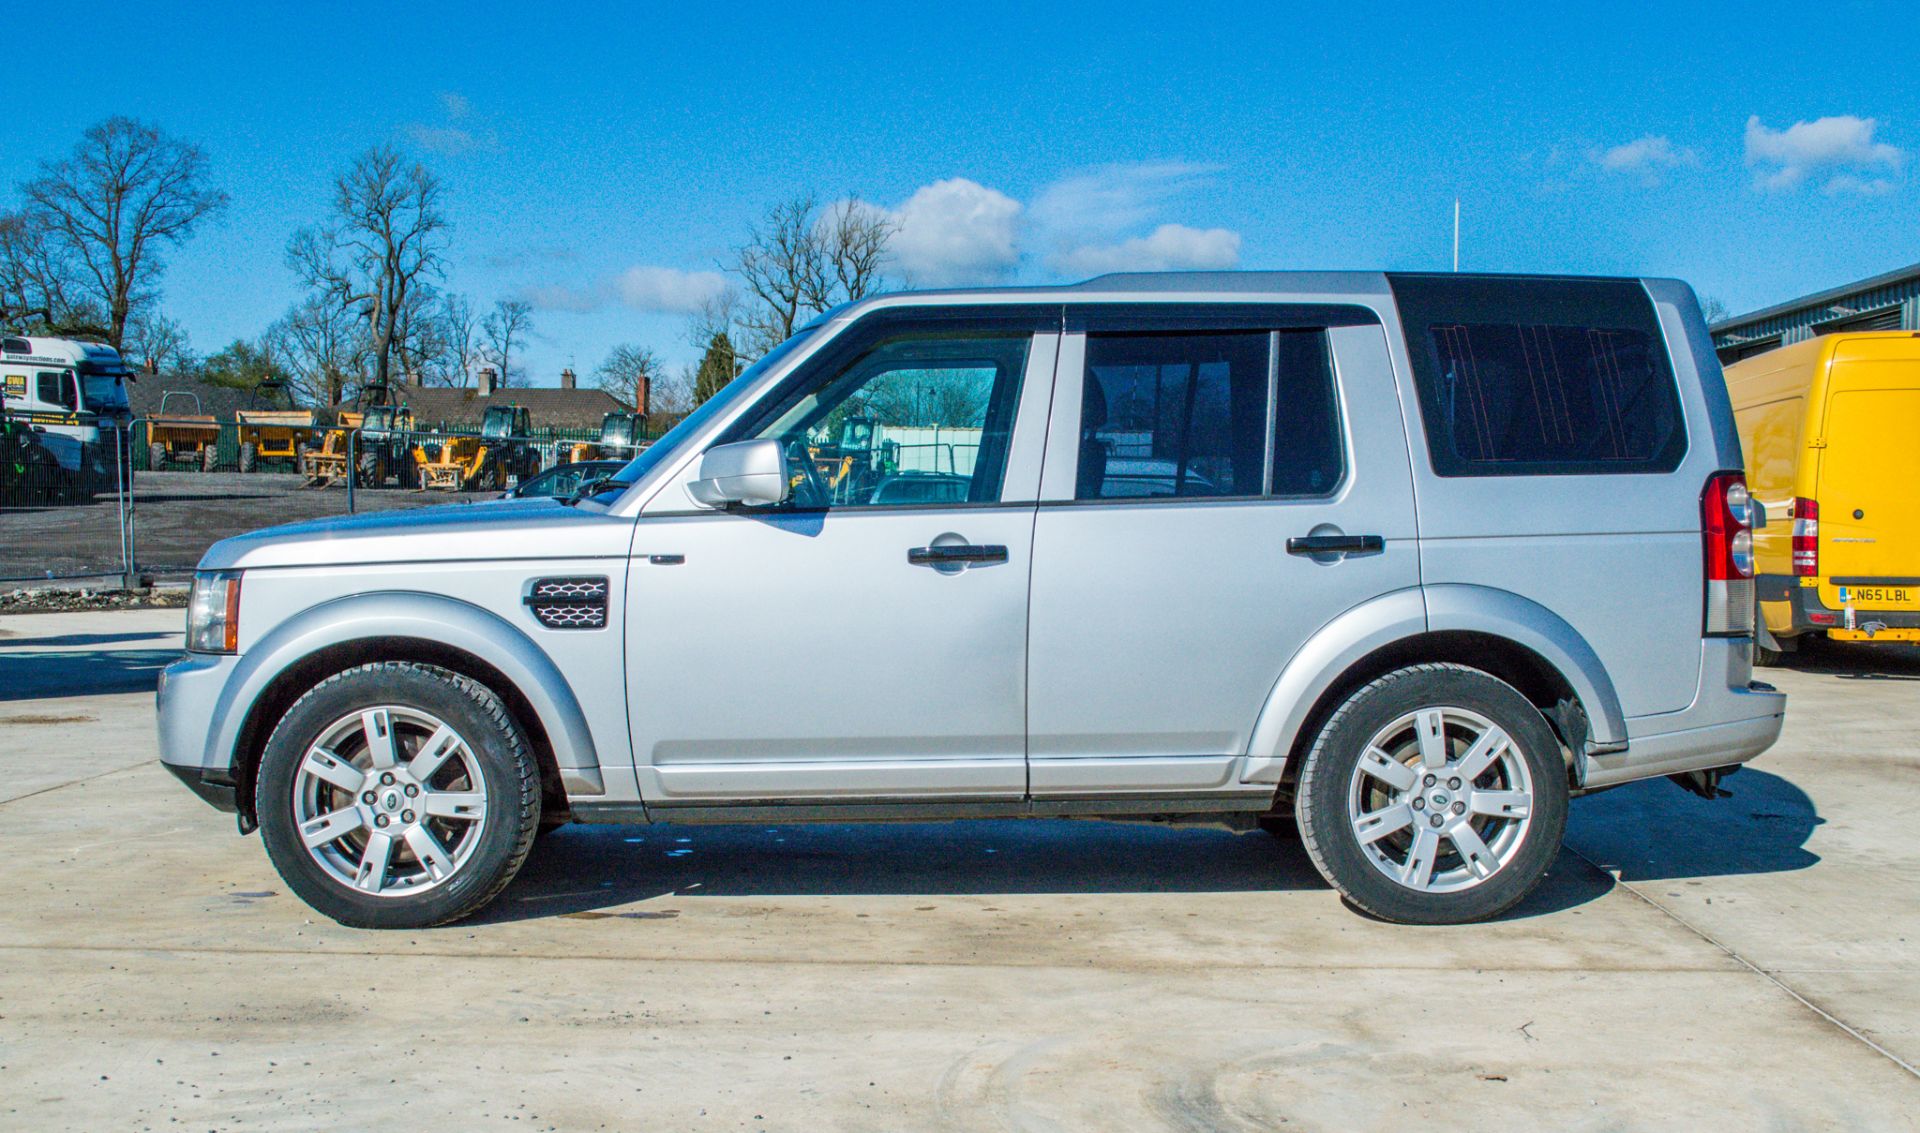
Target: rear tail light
point(1726, 524)
point(1806, 538)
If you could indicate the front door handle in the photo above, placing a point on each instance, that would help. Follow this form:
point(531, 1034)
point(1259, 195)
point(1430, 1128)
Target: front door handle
point(955, 554)
point(1335, 544)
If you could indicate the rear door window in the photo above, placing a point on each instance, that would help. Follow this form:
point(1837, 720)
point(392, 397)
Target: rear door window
point(1532, 377)
point(1241, 413)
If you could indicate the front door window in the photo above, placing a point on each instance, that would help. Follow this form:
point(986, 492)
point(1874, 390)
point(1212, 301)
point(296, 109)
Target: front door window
point(917, 420)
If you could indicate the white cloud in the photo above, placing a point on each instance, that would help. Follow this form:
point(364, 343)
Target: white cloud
point(641, 288)
point(1842, 144)
point(451, 139)
point(955, 232)
point(667, 289)
point(1114, 198)
point(1644, 158)
point(1864, 186)
point(1171, 247)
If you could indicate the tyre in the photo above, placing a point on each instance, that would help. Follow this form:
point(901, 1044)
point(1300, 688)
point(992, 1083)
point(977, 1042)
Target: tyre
point(156, 456)
point(249, 456)
point(209, 458)
point(397, 795)
point(1434, 795)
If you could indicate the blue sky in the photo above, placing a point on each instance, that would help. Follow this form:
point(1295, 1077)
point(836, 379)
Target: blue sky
point(603, 159)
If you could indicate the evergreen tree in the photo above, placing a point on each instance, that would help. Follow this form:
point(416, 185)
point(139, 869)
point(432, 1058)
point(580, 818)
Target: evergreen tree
point(718, 366)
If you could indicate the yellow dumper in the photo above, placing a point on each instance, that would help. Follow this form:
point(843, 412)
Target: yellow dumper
point(184, 438)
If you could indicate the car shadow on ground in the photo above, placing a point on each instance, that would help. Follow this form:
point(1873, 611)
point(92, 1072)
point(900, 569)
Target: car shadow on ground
point(1852, 661)
point(1653, 830)
point(582, 869)
point(1645, 831)
point(79, 672)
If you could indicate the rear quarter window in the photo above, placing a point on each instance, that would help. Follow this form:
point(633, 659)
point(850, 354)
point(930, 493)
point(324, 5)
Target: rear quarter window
point(1540, 377)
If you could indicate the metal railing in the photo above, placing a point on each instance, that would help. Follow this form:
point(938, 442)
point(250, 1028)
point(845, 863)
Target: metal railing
point(154, 492)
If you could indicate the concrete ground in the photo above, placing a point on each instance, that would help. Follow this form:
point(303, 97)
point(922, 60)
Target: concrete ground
point(1747, 963)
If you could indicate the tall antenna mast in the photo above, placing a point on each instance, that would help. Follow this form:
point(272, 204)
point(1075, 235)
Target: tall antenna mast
point(1456, 234)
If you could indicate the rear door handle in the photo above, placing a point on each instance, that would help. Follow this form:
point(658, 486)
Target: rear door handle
point(957, 553)
point(1335, 544)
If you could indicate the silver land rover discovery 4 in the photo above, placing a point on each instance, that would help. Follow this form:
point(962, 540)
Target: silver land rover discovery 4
point(1405, 561)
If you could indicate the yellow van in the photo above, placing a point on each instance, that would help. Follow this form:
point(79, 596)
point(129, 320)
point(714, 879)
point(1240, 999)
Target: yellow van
point(1831, 429)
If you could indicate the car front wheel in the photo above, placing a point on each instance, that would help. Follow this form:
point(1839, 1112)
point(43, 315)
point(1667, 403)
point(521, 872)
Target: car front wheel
point(1434, 795)
point(398, 795)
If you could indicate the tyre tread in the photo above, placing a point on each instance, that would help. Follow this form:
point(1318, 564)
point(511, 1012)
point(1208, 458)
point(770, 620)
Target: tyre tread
point(507, 728)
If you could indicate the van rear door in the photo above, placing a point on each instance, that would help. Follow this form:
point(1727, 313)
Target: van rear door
point(1869, 475)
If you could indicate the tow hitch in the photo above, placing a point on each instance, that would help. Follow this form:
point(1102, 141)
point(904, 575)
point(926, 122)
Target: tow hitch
point(1706, 783)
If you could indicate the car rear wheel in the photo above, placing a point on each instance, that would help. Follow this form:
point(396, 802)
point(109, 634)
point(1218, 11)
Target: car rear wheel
point(1434, 795)
point(398, 795)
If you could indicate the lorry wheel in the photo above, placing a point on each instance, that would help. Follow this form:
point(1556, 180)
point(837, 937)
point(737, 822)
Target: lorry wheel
point(249, 456)
point(209, 458)
point(1434, 795)
point(398, 795)
point(156, 456)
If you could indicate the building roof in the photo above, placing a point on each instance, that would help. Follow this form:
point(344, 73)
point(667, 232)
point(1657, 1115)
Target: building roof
point(145, 392)
point(550, 407)
point(1819, 299)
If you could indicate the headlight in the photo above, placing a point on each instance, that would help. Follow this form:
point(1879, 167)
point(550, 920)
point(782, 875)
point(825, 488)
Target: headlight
point(213, 613)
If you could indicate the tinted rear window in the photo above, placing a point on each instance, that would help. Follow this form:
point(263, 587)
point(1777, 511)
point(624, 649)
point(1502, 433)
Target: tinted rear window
point(1540, 377)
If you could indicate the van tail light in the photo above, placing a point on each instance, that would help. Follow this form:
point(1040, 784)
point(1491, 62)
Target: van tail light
point(1726, 524)
point(1806, 538)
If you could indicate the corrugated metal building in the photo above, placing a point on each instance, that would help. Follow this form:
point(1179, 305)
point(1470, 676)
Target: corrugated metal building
point(1885, 302)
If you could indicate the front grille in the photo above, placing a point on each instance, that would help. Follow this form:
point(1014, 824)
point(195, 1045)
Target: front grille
point(569, 603)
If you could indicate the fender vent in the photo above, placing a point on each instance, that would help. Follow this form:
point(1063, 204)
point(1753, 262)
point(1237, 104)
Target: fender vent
point(569, 603)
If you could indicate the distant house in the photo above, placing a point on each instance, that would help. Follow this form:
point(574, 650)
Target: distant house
point(564, 407)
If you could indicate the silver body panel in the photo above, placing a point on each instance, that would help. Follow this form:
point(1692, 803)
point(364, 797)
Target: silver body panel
point(1155, 654)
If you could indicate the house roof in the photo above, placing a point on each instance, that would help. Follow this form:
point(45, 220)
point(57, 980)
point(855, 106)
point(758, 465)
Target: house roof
point(146, 392)
point(549, 407)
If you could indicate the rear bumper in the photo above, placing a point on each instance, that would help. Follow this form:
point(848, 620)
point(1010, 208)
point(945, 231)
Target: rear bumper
point(1732, 719)
point(1803, 602)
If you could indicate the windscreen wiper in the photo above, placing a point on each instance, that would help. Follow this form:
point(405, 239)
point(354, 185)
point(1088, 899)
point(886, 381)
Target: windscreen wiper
point(592, 487)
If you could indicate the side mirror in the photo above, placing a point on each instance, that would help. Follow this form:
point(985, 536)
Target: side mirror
point(745, 472)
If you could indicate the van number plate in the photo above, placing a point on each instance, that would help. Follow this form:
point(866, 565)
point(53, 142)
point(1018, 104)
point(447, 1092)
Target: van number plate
point(1881, 595)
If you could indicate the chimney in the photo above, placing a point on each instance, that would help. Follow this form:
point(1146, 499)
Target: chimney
point(487, 377)
point(566, 378)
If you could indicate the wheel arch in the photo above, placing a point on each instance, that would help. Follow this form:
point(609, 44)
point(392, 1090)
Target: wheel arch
point(336, 636)
point(1496, 631)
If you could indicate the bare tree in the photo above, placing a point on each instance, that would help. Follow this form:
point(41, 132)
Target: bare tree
point(1713, 309)
point(322, 346)
point(382, 244)
point(799, 261)
point(506, 328)
point(855, 235)
point(630, 374)
point(672, 396)
point(127, 191)
point(39, 289)
point(459, 341)
point(157, 343)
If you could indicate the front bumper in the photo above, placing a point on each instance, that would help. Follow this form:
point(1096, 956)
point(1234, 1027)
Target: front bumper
point(188, 702)
point(216, 788)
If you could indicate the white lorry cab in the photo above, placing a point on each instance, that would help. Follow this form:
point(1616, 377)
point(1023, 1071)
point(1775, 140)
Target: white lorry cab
point(72, 394)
